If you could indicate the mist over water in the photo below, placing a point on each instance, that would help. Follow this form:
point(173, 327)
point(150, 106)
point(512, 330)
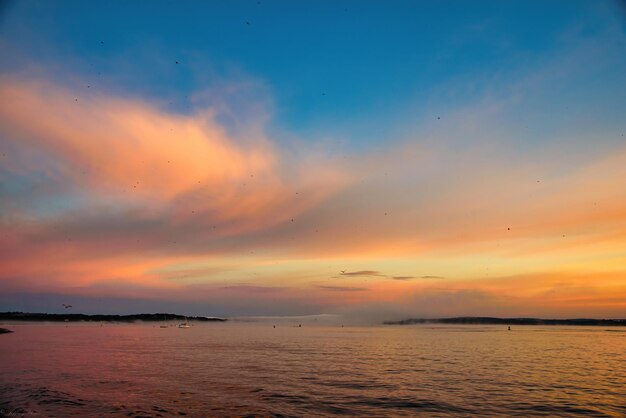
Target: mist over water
point(252, 368)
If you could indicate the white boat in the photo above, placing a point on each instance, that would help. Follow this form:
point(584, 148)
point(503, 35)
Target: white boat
point(184, 324)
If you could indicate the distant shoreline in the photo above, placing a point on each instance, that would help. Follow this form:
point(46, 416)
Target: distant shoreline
point(479, 320)
point(27, 316)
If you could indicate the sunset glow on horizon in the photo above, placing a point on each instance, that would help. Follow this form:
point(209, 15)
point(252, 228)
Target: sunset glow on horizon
point(348, 168)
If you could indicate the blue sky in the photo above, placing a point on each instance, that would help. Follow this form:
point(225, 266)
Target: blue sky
point(326, 67)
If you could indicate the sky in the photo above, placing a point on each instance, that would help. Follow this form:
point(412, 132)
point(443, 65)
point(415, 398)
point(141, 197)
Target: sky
point(373, 160)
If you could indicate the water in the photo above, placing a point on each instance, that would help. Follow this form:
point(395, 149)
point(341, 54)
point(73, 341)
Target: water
point(239, 369)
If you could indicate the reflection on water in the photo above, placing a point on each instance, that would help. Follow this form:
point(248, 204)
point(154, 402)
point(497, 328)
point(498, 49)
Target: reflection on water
point(255, 369)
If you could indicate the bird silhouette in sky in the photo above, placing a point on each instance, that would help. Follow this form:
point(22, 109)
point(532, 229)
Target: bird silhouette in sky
point(66, 306)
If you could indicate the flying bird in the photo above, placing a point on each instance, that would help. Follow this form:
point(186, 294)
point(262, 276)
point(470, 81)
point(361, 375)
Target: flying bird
point(66, 306)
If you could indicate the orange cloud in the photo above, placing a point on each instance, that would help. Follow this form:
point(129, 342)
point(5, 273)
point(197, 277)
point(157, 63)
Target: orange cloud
point(130, 151)
point(117, 187)
point(108, 195)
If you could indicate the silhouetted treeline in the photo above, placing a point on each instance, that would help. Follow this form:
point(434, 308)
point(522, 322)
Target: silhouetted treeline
point(509, 321)
point(25, 316)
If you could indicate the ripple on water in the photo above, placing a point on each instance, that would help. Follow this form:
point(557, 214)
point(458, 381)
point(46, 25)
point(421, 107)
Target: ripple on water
point(139, 371)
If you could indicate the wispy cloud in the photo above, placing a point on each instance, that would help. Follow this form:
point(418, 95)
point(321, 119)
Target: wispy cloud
point(415, 277)
point(105, 187)
point(343, 288)
point(360, 273)
point(374, 273)
point(254, 289)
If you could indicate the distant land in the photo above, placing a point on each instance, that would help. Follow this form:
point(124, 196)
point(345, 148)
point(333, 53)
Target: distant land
point(509, 321)
point(26, 316)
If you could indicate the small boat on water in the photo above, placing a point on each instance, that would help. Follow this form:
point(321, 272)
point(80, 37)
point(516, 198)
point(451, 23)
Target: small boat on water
point(184, 324)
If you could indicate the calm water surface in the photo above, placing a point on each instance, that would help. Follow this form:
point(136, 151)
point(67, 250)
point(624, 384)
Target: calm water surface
point(238, 369)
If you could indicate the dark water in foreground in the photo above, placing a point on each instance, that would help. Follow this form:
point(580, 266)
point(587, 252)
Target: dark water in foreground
point(235, 369)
